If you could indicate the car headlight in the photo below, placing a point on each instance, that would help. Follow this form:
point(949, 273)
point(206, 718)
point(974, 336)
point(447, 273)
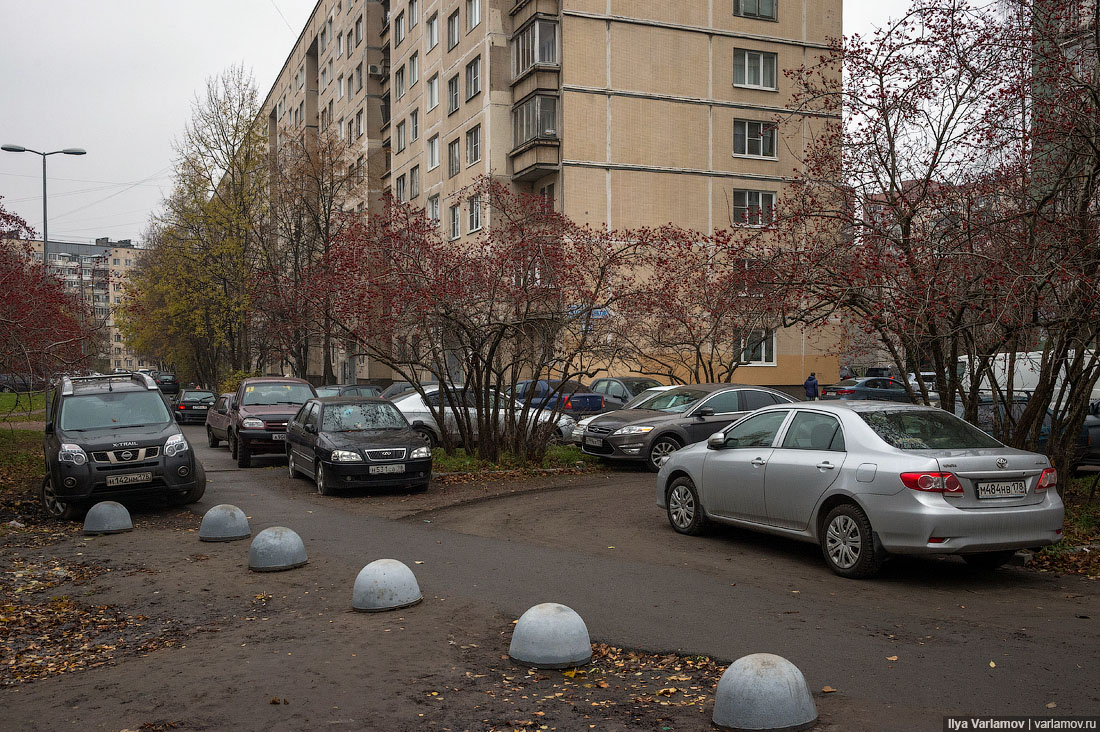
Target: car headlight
point(176, 445)
point(252, 423)
point(634, 429)
point(72, 454)
point(345, 456)
point(419, 453)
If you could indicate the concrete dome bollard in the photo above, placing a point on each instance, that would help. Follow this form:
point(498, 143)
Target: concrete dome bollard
point(763, 691)
point(276, 549)
point(224, 523)
point(550, 635)
point(385, 584)
point(107, 517)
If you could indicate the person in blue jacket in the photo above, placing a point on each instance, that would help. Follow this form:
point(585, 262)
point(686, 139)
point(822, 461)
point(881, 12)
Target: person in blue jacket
point(811, 387)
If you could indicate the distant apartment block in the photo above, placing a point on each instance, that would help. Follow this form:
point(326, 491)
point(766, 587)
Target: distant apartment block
point(622, 113)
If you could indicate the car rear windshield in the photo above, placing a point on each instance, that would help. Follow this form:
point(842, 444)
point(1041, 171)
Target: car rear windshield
point(356, 417)
point(675, 400)
point(566, 387)
point(327, 391)
point(111, 410)
point(260, 394)
point(205, 396)
point(847, 382)
point(637, 386)
point(162, 376)
point(926, 429)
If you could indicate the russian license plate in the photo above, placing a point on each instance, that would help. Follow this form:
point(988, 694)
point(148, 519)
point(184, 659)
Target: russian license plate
point(594, 441)
point(1002, 489)
point(278, 436)
point(200, 406)
point(129, 479)
point(376, 469)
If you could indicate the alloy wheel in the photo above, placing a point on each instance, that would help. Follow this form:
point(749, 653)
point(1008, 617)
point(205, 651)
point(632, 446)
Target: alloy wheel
point(681, 506)
point(843, 542)
point(54, 506)
point(662, 450)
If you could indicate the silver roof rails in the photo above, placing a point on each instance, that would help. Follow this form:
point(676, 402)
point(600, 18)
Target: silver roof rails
point(140, 378)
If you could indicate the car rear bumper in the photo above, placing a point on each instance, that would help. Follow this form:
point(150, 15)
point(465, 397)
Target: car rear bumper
point(358, 475)
point(191, 417)
point(929, 524)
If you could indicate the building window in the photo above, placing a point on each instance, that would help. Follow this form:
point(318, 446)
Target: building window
point(455, 221)
point(340, 87)
point(414, 13)
point(340, 129)
point(433, 92)
point(339, 45)
point(753, 139)
point(398, 29)
point(433, 209)
point(414, 125)
point(754, 69)
point(401, 136)
point(400, 188)
point(452, 95)
point(301, 76)
point(433, 31)
point(399, 83)
point(453, 164)
point(359, 78)
point(351, 130)
point(116, 262)
point(535, 119)
point(359, 123)
point(534, 45)
point(324, 78)
point(753, 208)
point(359, 163)
point(473, 14)
point(414, 70)
point(358, 30)
point(433, 152)
point(118, 338)
point(547, 193)
point(474, 221)
point(473, 145)
point(414, 182)
point(349, 44)
point(452, 30)
point(758, 348)
point(755, 8)
point(473, 78)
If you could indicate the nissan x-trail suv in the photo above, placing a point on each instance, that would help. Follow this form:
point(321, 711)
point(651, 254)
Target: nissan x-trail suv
point(112, 437)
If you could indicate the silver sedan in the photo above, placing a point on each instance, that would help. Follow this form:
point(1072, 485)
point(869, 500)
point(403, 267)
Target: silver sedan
point(866, 480)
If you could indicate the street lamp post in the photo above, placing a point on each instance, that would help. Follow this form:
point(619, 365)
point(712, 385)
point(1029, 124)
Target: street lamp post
point(45, 228)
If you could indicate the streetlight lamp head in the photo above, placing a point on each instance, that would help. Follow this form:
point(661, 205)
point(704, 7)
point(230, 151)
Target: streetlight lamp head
point(75, 151)
point(13, 148)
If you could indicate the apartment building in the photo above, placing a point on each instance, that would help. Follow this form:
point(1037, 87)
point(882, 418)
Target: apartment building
point(623, 113)
point(97, 273)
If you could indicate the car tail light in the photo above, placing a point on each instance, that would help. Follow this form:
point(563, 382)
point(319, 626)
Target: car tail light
point(933, 482)
point(567, 404)
point(603, 402)
point(838, 392)
point(182, 407)
point(1048, 479)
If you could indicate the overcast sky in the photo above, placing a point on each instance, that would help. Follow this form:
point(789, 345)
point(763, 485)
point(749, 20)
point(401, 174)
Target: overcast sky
point(117, 77)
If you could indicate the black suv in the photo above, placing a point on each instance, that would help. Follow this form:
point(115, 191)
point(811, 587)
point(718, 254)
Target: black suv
point(110, 437)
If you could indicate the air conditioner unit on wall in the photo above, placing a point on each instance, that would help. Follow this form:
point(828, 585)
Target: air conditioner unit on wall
point(376, 70)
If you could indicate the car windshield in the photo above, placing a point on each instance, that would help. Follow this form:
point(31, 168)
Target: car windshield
point(642, 397)
point(109, 410)
point(328, 391)
point(202, 396)
point(927, 429)
point(260, 394)
point(356, 417)
point(675, 401)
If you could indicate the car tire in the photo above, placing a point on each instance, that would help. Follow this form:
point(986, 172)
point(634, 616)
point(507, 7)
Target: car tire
point(211, 440)
point(232, 441)
point(661, 448)
point(244, 455)
point(428, 436)
point(55, 507)
point(321, 480)
point(196, 492)
point(6, 390)
point(291, 467)
point(848, 544)
point(684, 509)
point(988, 561)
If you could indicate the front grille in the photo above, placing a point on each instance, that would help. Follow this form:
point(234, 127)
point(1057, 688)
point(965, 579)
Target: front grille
point(598, 430)
point(131, 455)
point(393, 453)
point(275, 425)
point(125, 467)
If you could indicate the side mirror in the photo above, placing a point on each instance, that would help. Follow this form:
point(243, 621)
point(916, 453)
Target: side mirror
point(49, 428)
point(311, 428)
point(717, 441)
point(418, 423)
point(705, 412)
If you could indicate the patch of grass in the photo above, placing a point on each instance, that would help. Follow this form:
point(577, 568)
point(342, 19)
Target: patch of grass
point(20, 456)
point(557, 457)
point(15, 404)
point(1081, 529)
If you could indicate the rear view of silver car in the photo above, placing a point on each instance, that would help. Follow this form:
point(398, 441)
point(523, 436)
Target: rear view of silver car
point(864, 481)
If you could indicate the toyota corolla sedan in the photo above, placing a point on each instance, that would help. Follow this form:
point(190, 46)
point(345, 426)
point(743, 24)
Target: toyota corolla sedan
point(356, 442)
point(865, 480)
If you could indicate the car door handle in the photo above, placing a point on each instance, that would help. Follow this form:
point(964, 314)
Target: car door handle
point(825, 466)
point(759, 461)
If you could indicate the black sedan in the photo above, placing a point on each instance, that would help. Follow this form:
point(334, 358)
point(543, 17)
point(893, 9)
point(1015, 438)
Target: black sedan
point(192, 405)
point(356, 442)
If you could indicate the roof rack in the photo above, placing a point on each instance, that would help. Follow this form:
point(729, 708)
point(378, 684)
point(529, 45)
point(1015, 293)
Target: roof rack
point(134, 377)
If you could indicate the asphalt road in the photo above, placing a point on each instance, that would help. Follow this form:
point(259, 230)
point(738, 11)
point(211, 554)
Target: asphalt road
point(926, 638)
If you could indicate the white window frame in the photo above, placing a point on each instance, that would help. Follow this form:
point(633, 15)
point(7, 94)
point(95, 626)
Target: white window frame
point(454, 222)
point(399, 83)
point(761, 129)
point(473, 14)
point(527, 120)
point(340, 87)
point(433, 152)
point(473, 78)
point(453, 35)
point(767, 344)
point(454, 158)
point(528, 45)
point(400, 142)
point(433, 92)
point(473, 222)
point(414, 69)
point(751, 9)
point(399, 189)
point(433, 31)
point(414, 182)
point(398, 28)
point(414, 12)
point(754, 201)
point(473, 145)
point(454, 98)
point(414, 125)
point(432, 209)
point(752, 60)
